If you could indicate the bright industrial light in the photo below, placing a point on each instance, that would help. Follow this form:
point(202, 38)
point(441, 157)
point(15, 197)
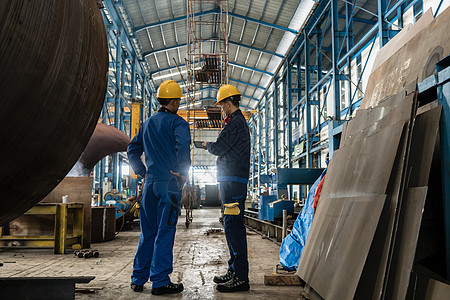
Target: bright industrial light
point(168, 75)
point(172, 74)
point(125, 170)
point(183, 85)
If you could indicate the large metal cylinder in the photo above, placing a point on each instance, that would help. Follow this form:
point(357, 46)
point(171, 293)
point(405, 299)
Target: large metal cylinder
point(53, 62)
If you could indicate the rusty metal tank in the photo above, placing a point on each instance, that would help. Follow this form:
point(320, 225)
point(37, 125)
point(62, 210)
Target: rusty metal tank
point(53, 76)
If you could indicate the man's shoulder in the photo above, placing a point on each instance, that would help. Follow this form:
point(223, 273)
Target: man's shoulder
point(164, 115)
point(239, 119)
point(179, 120)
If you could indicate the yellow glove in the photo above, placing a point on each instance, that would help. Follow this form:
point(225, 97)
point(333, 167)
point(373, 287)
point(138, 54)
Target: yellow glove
point(232, 209)
point(135, 210)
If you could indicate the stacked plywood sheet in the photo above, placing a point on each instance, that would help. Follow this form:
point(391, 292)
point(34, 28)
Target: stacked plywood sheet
point(363, 238)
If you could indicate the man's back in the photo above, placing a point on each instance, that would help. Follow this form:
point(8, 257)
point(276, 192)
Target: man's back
point(165, 140)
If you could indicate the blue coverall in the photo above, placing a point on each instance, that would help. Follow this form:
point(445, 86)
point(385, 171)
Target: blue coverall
point(165, 140)
point(233, 165)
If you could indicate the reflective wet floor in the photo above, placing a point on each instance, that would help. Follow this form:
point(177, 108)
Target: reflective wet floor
point(197, 258)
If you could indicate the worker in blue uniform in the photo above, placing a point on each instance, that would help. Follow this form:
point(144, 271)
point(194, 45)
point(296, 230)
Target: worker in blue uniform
point(165, 140)
point(233, 165)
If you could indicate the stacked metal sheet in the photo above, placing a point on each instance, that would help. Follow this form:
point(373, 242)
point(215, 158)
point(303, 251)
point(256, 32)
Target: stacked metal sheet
point(363, 238)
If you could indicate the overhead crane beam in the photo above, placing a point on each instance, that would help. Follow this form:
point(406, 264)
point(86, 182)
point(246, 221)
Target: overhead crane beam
point(256, 49)
point(247, 83)
point(250, 68)
point(214, 11)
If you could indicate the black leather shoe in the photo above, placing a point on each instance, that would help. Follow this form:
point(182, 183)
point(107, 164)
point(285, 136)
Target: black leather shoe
point(171, 288)
point(224, 278)
point(233, 285)
point(137, 288)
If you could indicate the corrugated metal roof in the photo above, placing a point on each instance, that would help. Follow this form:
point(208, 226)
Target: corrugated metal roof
point(161, 24)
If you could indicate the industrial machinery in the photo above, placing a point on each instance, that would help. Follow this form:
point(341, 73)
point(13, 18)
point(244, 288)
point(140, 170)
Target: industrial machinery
point(115, 199)
point(271, 206)
point(269, 215)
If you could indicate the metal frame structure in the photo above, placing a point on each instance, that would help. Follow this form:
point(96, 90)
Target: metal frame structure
point(301, 112)
point(129, 79)
point(203, 67)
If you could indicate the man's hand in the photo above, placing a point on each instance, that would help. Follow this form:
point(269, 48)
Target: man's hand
point(181, 177)
point(204, 145)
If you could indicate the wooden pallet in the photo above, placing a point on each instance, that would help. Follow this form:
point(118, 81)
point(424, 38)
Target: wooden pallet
point(281, 277)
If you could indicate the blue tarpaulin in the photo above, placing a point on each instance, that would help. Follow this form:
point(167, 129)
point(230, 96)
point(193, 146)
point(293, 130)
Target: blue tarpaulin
point(292, 246)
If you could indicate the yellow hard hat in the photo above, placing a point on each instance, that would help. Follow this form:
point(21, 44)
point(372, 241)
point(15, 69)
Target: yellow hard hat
point(225, 91)
point(169, 89)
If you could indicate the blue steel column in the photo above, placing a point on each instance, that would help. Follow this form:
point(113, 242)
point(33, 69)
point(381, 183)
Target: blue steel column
point(289, 119)
point(143, 94)
point(319, 37)
point(121, 119)
point(319, 90)
point(253, 156)
point(288, 90)
point(122, 93)
point(259, 151)
point(349, 45)
point(332, 141)
point(382, 26)
point(275, 121)
point(307, 117)
point(283, 116)
point(117, 99)
point(266, 131)
point(299, 88)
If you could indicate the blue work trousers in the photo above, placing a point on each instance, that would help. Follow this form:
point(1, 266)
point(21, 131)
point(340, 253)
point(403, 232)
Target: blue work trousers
point(159, 210)
point(235, 233)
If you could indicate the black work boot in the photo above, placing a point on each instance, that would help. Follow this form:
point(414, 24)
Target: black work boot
point(170, 288)
point(224, 278)
point(137, 288)
point(233, 285)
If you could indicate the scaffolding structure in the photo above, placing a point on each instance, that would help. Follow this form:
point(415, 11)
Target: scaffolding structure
point(206, 64)
point(206, 58)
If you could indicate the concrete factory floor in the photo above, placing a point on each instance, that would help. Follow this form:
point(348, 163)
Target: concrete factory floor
point(197, 258)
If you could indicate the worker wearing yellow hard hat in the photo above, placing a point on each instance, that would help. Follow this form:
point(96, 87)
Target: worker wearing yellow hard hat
point(226, 91)
point(165, 140)
point(233, 165)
